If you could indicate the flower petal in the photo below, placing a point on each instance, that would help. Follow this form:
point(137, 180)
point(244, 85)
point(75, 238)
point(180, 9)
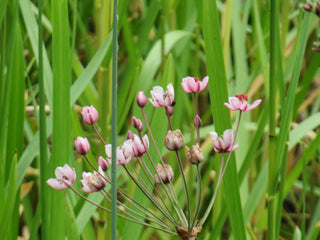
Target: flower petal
point(253, 105)
point(55, 183)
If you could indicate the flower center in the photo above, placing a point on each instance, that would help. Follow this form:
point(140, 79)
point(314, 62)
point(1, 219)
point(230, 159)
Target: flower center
point(242, 97)
point(196, 79)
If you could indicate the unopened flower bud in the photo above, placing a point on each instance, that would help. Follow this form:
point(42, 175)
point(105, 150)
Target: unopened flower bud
point(130, 135)
point(194, 156)
point(174, 140)
point(103, 164)
point(141, 99)
point(169, 110)
point(89, 114)
point(82, 145)
point(137, 124)
point(164, 174)
point(197, 121)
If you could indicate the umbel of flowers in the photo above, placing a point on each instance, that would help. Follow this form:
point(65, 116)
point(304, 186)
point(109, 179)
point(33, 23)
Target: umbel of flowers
point(155, 177)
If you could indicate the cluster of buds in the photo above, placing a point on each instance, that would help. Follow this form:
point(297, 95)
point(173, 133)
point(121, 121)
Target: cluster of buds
point(134, 153)
point(310, 7)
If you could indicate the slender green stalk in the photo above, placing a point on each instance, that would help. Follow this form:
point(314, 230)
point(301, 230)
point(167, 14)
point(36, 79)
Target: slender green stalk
point(114, 121)
point(272, 121)
point(207, 212)
point(43, 137)
point(185, 188)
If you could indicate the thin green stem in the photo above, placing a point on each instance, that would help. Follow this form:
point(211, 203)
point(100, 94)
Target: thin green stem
point(132, 219)
point(151, 198)
point(114, 121)
point(207, 212)
point(185, 188)
point(98, 134)
point(186, 192)
point(272, 121)
point(170, 186)
point(198, 196)
point(196, 114)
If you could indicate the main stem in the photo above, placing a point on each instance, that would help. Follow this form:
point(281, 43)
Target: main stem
point(114, 122)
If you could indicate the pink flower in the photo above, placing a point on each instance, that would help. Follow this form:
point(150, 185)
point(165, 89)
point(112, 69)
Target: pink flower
point(125, 152)
point(192, 84)
point(161, 98)
point(82, 145)
point(141, 99)
point(65, 177)
point(239, 102)
point(89, 114)
point(140, 147)
point(224, 143)
point(93, 182)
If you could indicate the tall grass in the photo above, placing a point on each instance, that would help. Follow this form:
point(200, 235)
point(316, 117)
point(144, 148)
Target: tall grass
point(58, 56)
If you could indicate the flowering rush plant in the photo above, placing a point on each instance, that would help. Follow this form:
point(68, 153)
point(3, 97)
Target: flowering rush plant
point(155, 177)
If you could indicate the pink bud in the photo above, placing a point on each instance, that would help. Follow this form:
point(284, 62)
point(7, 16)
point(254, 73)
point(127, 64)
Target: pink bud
point(103, 163)
point(130, 135)
point(137, 124)
point(197, 121)
point(141, 99)
point(82, 145)
point(169, 110)
point(89, 114)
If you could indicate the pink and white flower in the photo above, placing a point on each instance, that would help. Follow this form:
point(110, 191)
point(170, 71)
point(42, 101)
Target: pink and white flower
point(65, 177)
point(225, 143)
point(93, 182)
point(125, 152)
point(161, 98)
point(193, 85)
point(239, 102)
point(140, 147)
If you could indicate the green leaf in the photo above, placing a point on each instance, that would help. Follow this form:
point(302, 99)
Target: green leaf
point(218, 95)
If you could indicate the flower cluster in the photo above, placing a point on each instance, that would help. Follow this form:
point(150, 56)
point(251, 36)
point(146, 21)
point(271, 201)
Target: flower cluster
point(151, 173)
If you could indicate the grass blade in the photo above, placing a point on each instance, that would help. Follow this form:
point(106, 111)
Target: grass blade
point(218, 95)
point(61, 66)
